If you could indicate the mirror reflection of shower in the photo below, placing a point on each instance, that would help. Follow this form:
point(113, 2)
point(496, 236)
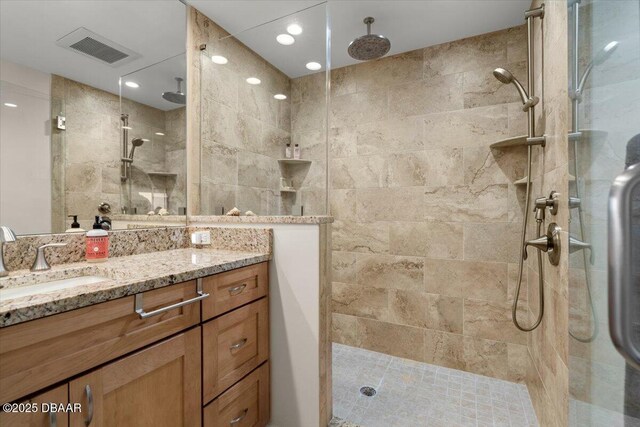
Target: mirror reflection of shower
point(127, 156)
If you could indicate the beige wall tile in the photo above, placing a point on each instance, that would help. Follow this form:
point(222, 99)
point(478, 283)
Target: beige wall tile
point(344, 329)
point(486, 357)
point(491, 242)
point(355, 237)
point(357, 108)
point(432, 168)
point(464, 55)
point(388, 204)
point(390, 70)
point(396, 340)
point(491, 320)
point(466, 279)
point(359, 300)
point(444, 349)
point(433, 239)
point(471, 127)
point(390, 272)
point(390, 136)
point(344, 267)
point(358, 172)
point(467, 204)
point(424, 310)
point(426, 96)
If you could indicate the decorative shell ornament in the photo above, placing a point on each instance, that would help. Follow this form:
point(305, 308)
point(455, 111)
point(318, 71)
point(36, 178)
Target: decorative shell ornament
point(234, 212)
point(151, 213)
point(163, 212)
point(250, 213)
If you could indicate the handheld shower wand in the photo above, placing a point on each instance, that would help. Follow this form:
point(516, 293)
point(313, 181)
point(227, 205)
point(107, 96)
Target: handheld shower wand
point(135, 142)
point(505, 76)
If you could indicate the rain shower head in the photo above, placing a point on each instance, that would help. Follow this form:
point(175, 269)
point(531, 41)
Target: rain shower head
point(369, 46)
point(505, 76)
point(177, 97)
point(135, 142)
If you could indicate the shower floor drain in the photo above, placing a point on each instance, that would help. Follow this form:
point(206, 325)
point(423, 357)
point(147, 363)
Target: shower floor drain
point(368, 391)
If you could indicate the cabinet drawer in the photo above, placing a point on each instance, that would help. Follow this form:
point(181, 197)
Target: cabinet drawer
point(246, 404)
point(233, 345)
point(234, 288)
point(36, 354)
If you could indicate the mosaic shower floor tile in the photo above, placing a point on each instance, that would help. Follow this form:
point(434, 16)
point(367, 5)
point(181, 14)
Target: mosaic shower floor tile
point(411, 394)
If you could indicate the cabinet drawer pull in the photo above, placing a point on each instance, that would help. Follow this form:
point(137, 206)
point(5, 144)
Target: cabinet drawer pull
point(240, 418)
point(239, 344)
point(89, 394)
point(53, 419)
point(144, 315)
point(237, 289)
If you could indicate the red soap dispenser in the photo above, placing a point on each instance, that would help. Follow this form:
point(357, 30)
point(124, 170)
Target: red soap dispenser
point(97, 243)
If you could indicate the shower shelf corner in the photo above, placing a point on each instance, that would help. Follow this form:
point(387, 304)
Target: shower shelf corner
point(288, 190)
point(515, 141)
point(162, 174)
point(293, 161)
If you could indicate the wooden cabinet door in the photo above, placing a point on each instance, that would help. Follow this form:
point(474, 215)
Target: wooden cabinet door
point(42, 417)
point(158, 386)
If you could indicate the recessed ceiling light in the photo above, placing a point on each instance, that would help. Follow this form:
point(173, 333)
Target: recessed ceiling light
point(145, 140)
point(313, 66)
point(159, 133)
point(219, 59)
point(280, 96)
point(9, 104)
point(294, 29)
point(285, 39)
point(253, 81)
point(132, 84)
point(127, 127)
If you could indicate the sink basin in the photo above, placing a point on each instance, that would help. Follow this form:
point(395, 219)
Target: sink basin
point(49, 286)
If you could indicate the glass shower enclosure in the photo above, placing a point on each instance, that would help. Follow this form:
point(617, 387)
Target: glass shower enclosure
point(604, 157)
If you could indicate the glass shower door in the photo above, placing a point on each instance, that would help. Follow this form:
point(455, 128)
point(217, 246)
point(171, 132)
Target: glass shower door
point(604, 143)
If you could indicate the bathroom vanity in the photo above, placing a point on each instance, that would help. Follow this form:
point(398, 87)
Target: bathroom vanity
point(163, 346)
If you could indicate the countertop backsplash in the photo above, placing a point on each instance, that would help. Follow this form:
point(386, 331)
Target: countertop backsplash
point(19, 255)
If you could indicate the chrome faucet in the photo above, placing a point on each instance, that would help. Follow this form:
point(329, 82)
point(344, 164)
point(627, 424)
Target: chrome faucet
point(6, 235)
point(40, 263)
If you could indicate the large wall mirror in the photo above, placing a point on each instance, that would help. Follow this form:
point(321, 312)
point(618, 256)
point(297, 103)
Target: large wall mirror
point(92, 114)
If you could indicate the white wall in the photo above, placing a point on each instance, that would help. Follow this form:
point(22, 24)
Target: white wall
point(25, 150)
point(294, 304)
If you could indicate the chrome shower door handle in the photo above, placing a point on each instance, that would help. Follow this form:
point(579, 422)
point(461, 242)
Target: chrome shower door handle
point(623, 326)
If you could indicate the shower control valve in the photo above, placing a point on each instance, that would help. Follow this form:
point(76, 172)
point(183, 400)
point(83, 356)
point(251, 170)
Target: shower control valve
point(549, 243)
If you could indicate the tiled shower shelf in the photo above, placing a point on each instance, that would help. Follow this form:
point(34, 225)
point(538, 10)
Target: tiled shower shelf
point(293, 161)
point(166, 174)
point(288, 190)
point(516, 141)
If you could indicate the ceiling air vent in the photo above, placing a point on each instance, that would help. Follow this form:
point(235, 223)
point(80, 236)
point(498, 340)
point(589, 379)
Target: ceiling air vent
point(94, 46)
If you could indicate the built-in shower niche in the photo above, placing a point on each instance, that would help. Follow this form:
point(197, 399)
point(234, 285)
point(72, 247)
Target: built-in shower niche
point(153, 140)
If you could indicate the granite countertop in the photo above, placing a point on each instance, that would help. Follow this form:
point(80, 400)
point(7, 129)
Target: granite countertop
point(126, 275)
point(275, 219)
